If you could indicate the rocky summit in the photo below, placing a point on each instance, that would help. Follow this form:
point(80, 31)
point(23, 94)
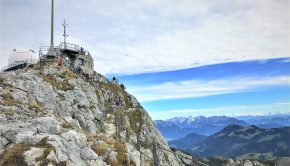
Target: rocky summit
point(51, 116)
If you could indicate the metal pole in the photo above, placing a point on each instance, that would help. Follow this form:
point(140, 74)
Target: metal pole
point(64, 33)
point(194, 163)
point(116, 126)
point(52, 27)
point(154, 151)
point(127, 135)
point(118, 132)
point(121, 121)
point(138, 143)
point(105, 115)
point(115, 119)
point(39, 58)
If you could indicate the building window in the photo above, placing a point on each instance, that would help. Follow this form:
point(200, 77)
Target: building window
point(82, 62)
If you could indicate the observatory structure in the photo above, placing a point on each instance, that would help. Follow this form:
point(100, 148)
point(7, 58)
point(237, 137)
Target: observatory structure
point(65, 54)
point(20, 58)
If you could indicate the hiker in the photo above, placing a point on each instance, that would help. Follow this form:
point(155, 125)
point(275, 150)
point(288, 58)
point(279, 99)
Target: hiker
point(58, 61)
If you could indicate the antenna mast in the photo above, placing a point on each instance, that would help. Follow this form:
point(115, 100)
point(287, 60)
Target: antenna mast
point(51, 33)
point(64, 33)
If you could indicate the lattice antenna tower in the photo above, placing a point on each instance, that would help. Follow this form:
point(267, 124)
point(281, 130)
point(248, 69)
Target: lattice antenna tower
point(64, 32)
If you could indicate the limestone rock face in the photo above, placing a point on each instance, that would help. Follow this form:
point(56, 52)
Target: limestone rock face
point(47, 125)
point(50, 116)
point(88, 154)
point(133, 154)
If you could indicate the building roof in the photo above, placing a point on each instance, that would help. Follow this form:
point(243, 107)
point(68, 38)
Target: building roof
point(21, 55)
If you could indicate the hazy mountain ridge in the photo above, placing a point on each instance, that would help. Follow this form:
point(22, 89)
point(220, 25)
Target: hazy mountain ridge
point(181, 126)
point(235, 140)
point(199, 125)
point(171, 131)
point(188, 141)
point(267, 121)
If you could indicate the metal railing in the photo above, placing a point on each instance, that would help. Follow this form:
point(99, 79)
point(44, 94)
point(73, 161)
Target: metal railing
point(26, 62)
point(56, 51)
point(47, 50)
point(71, 47)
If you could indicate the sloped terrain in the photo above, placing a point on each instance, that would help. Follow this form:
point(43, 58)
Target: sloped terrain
point(50, 116)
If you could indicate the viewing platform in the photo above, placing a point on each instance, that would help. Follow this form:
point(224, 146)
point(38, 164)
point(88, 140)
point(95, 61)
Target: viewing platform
point(47, 51)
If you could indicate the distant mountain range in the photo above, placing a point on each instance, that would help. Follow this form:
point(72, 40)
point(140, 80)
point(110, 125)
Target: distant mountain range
point(235, 140)
point(179, 127)
point(269, 121)
point(171, 131)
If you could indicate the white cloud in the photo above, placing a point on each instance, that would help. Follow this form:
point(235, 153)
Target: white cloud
point(129, 36)
point(200, 88)
point(275, 108)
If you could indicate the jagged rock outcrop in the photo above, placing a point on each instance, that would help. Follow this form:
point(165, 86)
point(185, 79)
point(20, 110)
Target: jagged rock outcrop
point(50, 116)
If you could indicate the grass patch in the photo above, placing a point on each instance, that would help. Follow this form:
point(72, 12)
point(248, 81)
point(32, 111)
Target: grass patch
point(98, 94)
point(35, 106)
point(9, 100)
point(2, 80)
point(91, 137)
point(119, 147)
point(99, 149)
point(122, 159)
point(64, 86)
point(67, 74)
point(7, 112)
point(13, 156)
point(7, 96)
point(66, 125)
point(146, 145)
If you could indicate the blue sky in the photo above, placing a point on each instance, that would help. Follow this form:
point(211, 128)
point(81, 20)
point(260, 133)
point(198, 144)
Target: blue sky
point(232, 89)
point(179, 58)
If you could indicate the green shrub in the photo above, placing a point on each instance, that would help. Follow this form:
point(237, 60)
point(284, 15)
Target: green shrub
point(136, 120)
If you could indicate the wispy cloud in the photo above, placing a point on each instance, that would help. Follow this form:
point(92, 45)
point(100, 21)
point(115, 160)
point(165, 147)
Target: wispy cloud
point(276, 108)
point(201, 88)
point(130, 36)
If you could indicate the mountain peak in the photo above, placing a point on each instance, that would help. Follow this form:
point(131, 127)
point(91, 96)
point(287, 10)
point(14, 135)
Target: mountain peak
point(230, 128)
point(64, 118)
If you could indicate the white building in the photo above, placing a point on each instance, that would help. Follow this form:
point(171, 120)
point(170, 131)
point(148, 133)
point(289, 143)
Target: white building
point(20, 58)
